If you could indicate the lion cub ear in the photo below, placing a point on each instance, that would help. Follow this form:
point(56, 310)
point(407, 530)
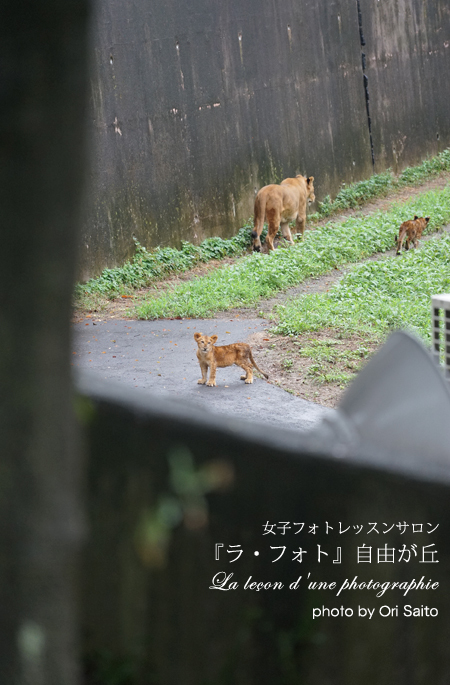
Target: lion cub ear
point(214, 339)
point(197, 336)
point(415, 218)
point(310, 179)
point(427, 218)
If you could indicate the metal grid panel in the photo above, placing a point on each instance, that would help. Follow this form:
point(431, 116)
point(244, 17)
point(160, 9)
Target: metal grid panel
point(440, 330)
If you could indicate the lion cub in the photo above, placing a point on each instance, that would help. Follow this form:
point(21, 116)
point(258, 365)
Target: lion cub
point(412, 230)
point(227, 355)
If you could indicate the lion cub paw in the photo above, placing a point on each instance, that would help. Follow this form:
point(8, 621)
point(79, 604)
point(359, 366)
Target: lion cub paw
point(249, 380)
point(201, 381)
point(243, 378)
point(211, 384)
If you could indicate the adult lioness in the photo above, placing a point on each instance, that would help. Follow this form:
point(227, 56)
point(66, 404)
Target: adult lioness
point(280, 204)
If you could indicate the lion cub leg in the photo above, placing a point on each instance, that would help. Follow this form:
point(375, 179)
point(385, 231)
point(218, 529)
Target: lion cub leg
point(286, 232)
point(204, 370)
point(248, 378)
point(212, 376)
point(399, 241)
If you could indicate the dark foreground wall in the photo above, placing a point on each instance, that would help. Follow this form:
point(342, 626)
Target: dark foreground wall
point(359, 499)
point(196, 105)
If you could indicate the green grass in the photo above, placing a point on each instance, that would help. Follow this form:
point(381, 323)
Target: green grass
point(376, 297)
point(147, 267)
point(340, 377)
point(259, 276)
point(356, 194)
point(327, 350)
point(331, 356)
point(422, 172)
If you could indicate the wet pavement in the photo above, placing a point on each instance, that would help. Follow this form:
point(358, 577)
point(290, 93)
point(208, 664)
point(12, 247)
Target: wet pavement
point(160, 357)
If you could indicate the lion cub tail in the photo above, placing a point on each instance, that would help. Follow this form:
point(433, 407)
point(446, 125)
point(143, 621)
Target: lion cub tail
point(256, 365)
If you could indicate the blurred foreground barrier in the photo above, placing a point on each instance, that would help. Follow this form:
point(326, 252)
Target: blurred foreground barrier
point(222, 551)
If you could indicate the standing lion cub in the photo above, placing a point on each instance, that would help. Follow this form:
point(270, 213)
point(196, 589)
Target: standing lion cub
point(227, 355)
point(412, 230)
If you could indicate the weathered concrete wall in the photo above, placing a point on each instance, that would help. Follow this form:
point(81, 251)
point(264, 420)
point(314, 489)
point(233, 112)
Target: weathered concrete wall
point(196, 105)
point(407, 59)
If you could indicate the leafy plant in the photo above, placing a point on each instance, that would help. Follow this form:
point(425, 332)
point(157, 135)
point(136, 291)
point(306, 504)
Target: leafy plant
point(147, 267)
point(356, 194)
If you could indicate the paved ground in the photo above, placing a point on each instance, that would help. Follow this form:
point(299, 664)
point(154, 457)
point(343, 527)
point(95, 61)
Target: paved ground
point(160, 356)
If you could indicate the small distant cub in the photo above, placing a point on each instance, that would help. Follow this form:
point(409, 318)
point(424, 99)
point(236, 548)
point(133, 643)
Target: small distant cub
point(413, 231)
point(227, 355)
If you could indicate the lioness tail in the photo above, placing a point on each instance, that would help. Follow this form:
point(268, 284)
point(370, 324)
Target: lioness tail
point(256, 365)
point(259, 215)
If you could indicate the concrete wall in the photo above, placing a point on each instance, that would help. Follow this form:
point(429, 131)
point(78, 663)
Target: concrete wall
point(407, 55)
point(196, 105)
